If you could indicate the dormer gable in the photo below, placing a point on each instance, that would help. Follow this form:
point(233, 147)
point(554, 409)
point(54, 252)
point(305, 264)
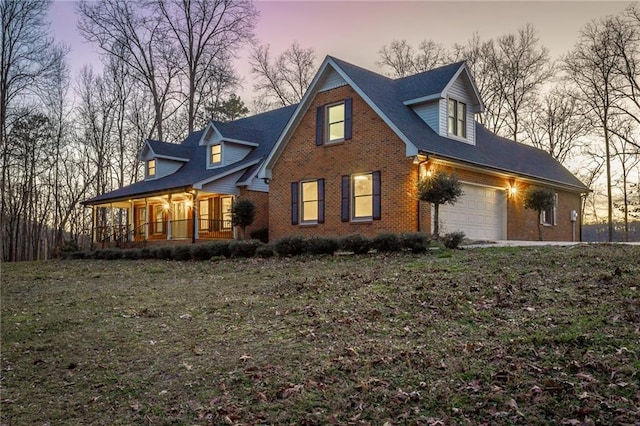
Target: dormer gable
point(162, 159)
point(449, 108)
point(228, 143)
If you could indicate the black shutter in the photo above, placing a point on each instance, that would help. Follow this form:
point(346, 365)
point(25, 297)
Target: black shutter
point(320, 200)
point(319, 125)
point(347, 118)
point(294, 203)
point(346, 182)
point(376, 196)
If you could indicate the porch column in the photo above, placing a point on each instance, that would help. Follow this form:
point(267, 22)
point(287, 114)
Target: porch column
point(131, 234)
point(146, 219)
point(94, 230)
point(113, 224)
point(169, 218)
point(194, 212)
point(235, 228)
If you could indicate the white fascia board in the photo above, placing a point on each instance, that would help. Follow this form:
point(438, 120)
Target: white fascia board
point(168, 157)
point(200, 184)
point(423, 99)
point(476, 93)
point(206, 130)
point(240, 142)
point(142, 150)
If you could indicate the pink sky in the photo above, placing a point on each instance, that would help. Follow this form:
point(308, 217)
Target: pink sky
point(355, 30)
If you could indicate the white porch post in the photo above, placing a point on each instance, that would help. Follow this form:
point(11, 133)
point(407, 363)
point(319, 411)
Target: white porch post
point(113, 223)
point(131, 221)
point(196, 224)
point(94, 225)
point(169, 219)
point(235, 228)
point(146, 218)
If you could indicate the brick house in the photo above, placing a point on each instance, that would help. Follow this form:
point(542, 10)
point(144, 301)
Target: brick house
point(351, 155)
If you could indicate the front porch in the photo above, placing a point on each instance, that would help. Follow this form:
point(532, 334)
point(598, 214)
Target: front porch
point(182, 216)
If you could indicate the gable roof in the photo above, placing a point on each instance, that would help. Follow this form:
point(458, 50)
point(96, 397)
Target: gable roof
point(390, 99)
point(170, 151)
point(194, 173)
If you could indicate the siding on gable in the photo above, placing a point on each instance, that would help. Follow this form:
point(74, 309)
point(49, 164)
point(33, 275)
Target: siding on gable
point(429, 113)
point(226, 185)
point(258, 185)
point(232, 152)
point(459, 90)
point(331, 81)
point(166, 167)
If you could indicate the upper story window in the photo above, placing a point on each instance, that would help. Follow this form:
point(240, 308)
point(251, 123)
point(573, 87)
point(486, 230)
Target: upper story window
point(457, 118)
point(151, 168)
point(216, 154)
point(333, 122)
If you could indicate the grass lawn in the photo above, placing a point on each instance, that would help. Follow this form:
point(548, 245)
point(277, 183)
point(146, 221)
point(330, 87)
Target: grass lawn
point(494, 336)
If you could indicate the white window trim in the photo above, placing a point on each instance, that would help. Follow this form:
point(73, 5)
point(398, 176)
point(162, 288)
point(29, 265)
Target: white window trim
point(352, 201)
point(220, 163)
point(327, 124)
point(451, 135)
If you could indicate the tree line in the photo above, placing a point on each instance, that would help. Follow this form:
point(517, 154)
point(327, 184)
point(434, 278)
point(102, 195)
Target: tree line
point(168, 68)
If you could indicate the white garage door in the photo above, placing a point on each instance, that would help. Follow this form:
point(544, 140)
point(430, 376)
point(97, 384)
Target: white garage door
point(481, 213)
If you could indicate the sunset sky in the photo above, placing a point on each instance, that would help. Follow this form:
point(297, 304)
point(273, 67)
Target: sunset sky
point(355, 30)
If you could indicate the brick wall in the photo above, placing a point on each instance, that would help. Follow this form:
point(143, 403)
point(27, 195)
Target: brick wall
point(374, 147)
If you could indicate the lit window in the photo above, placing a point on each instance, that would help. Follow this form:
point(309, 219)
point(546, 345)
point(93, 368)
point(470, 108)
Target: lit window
point(457, 118)
point(151, 168)
point(216, 154)
point(203, 211)
point(362, 196)
point(309, 205)
point(335, 122)
point(226, 207)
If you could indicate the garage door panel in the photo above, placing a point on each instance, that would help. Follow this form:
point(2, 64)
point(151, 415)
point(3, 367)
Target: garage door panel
point(480, 213)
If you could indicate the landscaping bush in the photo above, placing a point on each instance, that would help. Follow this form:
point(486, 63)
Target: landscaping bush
point(145, 253)
point(211, 249)
point(75, 255)
point(261, 234)
point(291, 246)
point(131, 254)
point(453, 239)
point(355, 243)
point(386, 242)
point(182, 252)
point(244, 248)
point(108, 254)
point(415, 242)
point(265, 251)
point(162, 252)
point(322, 245)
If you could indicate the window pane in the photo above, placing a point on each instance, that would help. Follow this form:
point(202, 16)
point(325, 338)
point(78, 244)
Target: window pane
point(462, 119)
point(452, 108)
point(363, 206)
point(216, 153)
point(336, 131)
point(227, 216)
point(363, 185)
point(151, 167)
point(310, 211)
point(309, 191)
point(336, 113)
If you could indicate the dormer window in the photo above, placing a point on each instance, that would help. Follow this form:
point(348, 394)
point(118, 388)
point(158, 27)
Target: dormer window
point(457, 118)
point(216, 154)
point(151, 168)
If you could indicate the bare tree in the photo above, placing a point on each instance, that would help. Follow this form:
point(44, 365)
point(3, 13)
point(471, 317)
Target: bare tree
point(206, 33)
point(628, 160)
point(555, 124)
point(125, 30)
point(284, 80)
point(404, 60)
point(591, 66)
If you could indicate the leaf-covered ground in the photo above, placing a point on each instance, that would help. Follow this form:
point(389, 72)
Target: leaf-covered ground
point(479, 336)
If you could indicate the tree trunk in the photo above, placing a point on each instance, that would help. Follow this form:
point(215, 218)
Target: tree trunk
point(436, 220)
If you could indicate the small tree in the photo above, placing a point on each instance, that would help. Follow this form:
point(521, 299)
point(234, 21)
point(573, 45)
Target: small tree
point(441, 188)
point(244, 212)
point(539, 199)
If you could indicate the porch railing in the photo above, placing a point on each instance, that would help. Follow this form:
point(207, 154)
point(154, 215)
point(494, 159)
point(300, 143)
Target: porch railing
point(112, 234)
point(180, 229)
point(215, 229)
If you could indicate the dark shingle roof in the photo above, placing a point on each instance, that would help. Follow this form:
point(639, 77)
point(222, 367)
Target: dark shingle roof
point(164, 149)
point(269, 125)
point(489, 151)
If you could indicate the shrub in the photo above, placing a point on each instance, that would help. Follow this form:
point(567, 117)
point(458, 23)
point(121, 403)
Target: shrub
point(261, 234)
point(355, 243)
point(131, 254)
point(417, 242)
point(182, 252)
point(386, 242)
point(145, 253)
point(108, 254)
point(265, 251)
point(200, 252)
point(244, 212)
point(162, 252)
point(453, 239)
point(291, 246)
point(322, 245)
point(75, 255)
point(68, 246)
point(244, 248)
